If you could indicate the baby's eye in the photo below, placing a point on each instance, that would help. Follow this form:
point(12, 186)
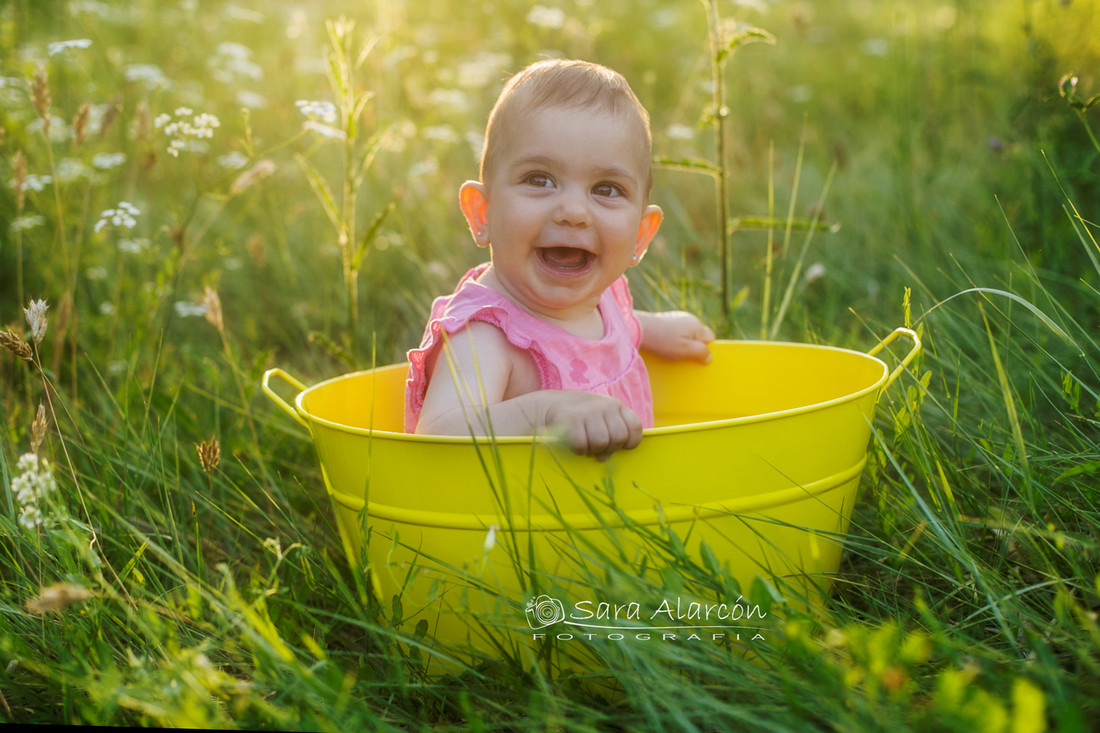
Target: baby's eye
point(608, 189)
point(540, 180)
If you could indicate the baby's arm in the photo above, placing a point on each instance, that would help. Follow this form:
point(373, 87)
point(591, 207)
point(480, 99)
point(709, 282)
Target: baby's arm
point(497, 384)
point(675, 335)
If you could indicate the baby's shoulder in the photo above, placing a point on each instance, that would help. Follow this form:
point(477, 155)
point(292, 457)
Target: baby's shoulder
point(490, 349)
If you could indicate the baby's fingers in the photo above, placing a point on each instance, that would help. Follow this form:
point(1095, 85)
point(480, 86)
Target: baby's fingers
point(623, 430)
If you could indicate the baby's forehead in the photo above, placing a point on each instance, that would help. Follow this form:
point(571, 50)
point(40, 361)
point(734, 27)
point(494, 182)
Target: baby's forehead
point(627, 121)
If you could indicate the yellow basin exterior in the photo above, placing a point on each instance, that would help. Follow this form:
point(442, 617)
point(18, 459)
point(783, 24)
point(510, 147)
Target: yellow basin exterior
point(755, 459)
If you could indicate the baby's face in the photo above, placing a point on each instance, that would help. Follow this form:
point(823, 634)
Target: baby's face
point(566, 209)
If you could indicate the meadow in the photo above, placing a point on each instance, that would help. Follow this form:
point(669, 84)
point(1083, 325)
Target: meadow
point(195, 191)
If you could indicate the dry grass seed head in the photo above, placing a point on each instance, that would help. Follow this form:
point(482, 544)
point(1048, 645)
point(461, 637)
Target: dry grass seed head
point(19, 178)
point(40, 95)
point(36, 318)
point(38, 428)
point(57, 598)
point(213, 308)
point(80, 124)
point(14, 343)
point(209, 454)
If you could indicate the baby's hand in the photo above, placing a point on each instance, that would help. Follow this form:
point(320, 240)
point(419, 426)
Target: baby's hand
point(676, 335)
point(593, 424)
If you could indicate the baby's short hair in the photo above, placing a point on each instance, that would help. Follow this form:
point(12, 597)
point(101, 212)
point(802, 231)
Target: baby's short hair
point(562, 83)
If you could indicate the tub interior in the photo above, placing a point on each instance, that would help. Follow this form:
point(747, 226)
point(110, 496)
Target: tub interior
point(744, 379)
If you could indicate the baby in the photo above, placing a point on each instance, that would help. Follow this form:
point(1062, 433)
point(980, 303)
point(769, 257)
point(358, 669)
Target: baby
point(544, 337)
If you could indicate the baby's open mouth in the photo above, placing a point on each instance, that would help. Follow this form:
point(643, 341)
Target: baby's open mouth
point(566, 258)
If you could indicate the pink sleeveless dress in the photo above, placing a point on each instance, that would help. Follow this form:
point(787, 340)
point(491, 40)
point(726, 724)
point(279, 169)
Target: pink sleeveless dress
point(608, 366)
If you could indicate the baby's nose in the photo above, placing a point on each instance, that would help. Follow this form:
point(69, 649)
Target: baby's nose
point(572, 207)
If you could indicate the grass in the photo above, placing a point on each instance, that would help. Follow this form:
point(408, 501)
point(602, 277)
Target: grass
point(881, 164)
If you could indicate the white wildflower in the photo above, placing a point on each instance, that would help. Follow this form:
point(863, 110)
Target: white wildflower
point(324, 111)
point(36, 317)
point(680, 132)
point(30, 221)
point(427, 167)
point(441, 133)
point(250, 99)
point(185, 309)
point(133, 246)
point(71, 169)
point(546, 17)
point(814, 272)
point(324, 130)
point(55, 48)
point(37, 183)
point(233, 161)
point(123, 216)
point(235, 12)
point(34, 482)
point(186, 129)
point(482, 70)
point(150, 74)
point(107, 161)
point(453, 98)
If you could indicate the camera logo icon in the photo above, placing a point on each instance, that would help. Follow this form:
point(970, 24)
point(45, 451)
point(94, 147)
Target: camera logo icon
point(543, 611)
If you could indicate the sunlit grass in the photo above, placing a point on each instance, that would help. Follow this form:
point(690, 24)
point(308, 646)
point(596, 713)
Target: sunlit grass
point(198, 195)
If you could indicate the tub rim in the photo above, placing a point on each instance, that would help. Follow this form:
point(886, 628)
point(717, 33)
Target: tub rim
point(308, 420)
point(528, 439)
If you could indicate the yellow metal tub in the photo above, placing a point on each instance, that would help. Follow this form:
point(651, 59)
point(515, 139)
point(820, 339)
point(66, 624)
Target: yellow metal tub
point(775, 432)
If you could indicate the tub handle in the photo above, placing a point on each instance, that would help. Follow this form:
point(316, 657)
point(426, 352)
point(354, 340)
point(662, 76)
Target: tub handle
point(908, 357)
point(266, 385)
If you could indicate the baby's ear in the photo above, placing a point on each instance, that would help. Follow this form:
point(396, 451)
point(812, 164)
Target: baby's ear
point(647, 229)
point(474, 204)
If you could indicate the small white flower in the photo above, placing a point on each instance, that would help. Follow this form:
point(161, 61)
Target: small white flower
point(30, 221)
point(680, 132)
point(123, 216)
point(324, 111)
point(133, 246)
point(55, 48)
point(235, 12)
point(185, 309)
point(546, 17)
point(37, 183)
point(107, 161)
point(233, 161)
point(814, 272)
point(481, 70)
point(323, 130)
point(34, 481)
point(186, 129)
point(30, 517)
point(148, 73)
point(251, 100)
point(453, 98)
point(71, 169)
point(442, 133)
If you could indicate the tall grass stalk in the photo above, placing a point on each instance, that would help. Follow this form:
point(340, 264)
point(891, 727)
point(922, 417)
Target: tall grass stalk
point(723, 43)
point(345, 62)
